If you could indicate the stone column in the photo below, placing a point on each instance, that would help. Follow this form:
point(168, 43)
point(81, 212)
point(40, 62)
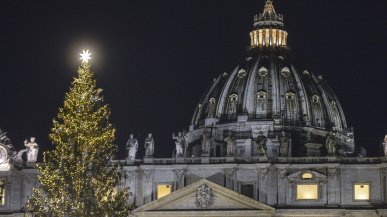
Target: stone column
point(130, 183)
point(148, 185)
point(179, 178)
point(333, 186)
point(282, 183)
point(262, 184)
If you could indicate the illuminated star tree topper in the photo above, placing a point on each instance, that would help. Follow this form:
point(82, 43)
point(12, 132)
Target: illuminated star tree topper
point(85, 56)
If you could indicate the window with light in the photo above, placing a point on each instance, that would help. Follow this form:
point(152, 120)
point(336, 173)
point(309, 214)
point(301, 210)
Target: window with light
point(163, 190)
point(307, 192)
point(361, 191)
point(2, 191)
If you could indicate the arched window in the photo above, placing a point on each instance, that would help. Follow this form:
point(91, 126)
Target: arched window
point(261, 101)
point(232, 103)
point(261, 95)
point(263, 72)
point(285, 72)
point(316, 99)
point(241, 73)
point(211, 107)
point(290, 96)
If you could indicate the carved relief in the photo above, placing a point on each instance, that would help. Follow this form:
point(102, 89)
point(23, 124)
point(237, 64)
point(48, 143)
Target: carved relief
point(229, 172)
point(204, 197)
point(282, 173)
point(333, 172)
point(180, 175)
point(262, 172)
point(147, 174)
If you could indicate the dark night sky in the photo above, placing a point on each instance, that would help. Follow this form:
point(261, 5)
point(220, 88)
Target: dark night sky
point(154, 59)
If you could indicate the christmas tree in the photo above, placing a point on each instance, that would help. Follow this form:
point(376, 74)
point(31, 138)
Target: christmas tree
point(77, 178)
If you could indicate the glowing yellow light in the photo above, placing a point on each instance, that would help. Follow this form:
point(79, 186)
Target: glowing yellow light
point(85, 56)
point(307, 192)
point(163, 190)
point(362, 191)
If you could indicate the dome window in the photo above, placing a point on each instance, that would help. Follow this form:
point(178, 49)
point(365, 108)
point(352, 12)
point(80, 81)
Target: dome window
point(316, 99)
point(306, 73)
point(241, 73)
point(290, 96)
point(212, 101)
point(285, 72)
point(233, 98)
point(263, 71)
point(261, 95)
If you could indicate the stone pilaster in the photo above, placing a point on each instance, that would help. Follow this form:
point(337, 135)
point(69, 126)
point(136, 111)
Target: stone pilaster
point(282, 183)
point(230, 178)
point(262, 184)
point(334, 186)
point(148, 185)
point(179, 178)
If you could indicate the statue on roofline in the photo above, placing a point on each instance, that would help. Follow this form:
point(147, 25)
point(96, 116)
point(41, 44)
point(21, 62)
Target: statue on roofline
point(331, 144)
point(385, 145)
point(132, 147)
point(180, 143)
point(32, 147)
point(149, 146)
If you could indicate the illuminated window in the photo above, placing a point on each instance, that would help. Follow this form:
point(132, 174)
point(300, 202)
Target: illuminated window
point(307, 176)
point(361, 191)
point(163, 190)
point(307, 192)
point(2, 191)
point(267, 37)
point(260, 41)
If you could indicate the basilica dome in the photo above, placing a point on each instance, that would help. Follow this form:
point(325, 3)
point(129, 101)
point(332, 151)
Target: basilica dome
point(267, 91)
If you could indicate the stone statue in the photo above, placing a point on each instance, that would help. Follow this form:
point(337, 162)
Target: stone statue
point(261, 144)
point(132, 147)
point(284, 144)
point(206, 142)
point(231, 145)
point(32, 148)
point(330, 144)
point(149, 146)
point(179, 141)
point(385, 145)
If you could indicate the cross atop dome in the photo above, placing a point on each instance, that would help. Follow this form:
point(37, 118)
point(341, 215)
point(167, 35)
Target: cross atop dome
point(269, 8)
point(268, 28)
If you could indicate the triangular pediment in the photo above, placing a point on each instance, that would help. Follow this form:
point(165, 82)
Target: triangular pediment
point(203, 196)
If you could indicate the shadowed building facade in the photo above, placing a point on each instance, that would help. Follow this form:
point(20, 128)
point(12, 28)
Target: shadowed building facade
point(267, 139)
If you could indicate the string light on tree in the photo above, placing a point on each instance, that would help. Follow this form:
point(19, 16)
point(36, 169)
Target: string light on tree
point(85, 56)
point(77, 178)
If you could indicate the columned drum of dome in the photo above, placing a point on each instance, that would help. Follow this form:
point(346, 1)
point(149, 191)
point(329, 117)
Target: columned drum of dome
point(268, 93)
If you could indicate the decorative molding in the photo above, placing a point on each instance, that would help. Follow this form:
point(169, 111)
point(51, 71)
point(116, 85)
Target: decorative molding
point(383, 172)
point(316, 177)
point(282, 173)
point(229, 172)
point(262, 172)
point(180, 173)
point(204, 197)
point(147, 173)
point(333, 172)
